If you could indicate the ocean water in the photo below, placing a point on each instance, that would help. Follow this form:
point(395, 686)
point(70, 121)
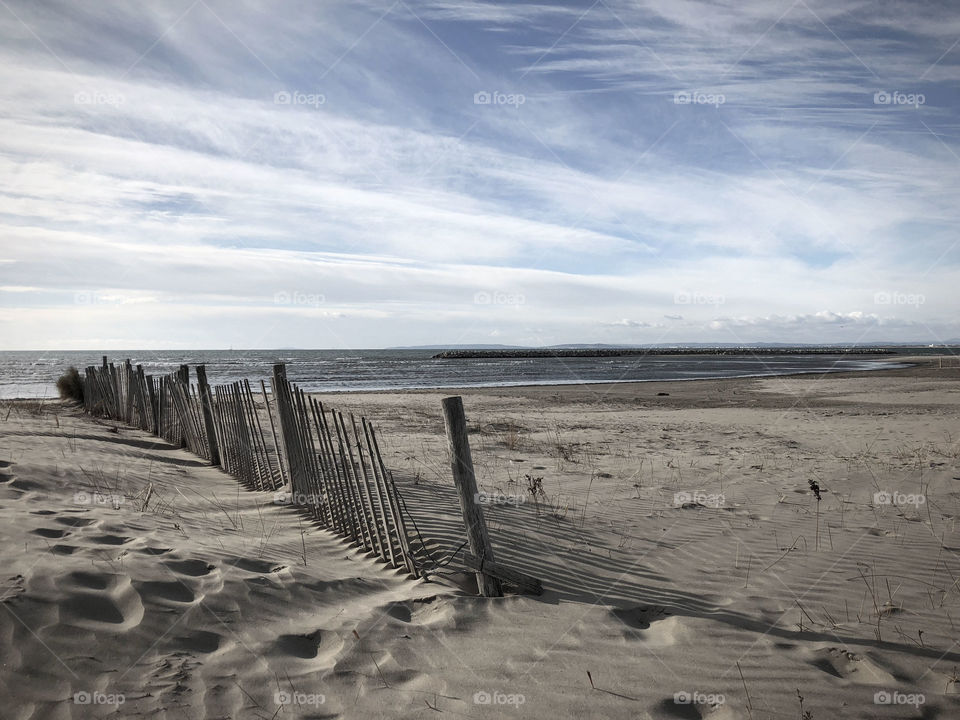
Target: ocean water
point(33, 374)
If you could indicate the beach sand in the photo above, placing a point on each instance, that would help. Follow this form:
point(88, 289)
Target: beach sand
point(683, 554)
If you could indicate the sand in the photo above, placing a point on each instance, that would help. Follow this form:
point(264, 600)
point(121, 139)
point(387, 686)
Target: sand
point(689, 570)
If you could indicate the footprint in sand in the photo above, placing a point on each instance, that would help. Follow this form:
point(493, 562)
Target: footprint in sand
point(253, 565)
point(420, 611)
point(100, 601)
point(111, 539)
point(63, 549)
point(75, 521)
point(53, 533)
point(653, 626)
point(850, 666)
point(676, 707)
point(640, 617)
point(201, 642)
point(166, 593)
point(155, 551)
point(305, 647)
point(24, 485)
point(88, 580)
point(191, 568)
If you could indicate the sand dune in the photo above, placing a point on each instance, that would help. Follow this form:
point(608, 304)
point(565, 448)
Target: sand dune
point(689, 571)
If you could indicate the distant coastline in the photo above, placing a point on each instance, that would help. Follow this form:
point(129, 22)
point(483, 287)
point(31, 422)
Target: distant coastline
point(473, 354)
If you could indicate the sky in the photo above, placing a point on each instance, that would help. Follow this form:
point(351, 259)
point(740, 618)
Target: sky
point(214, 174)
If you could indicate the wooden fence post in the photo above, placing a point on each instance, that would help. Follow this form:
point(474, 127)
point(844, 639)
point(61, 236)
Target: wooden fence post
point(461, 463)
point(206, 404)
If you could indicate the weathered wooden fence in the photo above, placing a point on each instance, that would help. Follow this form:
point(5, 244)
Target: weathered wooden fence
point(331, 462)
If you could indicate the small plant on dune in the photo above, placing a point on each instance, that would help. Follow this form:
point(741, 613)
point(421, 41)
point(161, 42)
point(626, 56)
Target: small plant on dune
point(536, 491)
point(535, 487)
point(70, 385)
point(815, 487)
point(511, 438)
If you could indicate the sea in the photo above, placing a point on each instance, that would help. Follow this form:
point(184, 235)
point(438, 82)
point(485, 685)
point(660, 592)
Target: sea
point(33, 374)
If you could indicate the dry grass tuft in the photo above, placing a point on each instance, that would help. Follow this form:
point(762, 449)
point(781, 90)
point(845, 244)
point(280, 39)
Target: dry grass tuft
point(70, 385)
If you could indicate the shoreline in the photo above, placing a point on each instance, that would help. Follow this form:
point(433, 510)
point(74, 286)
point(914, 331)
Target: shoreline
point(908, 363)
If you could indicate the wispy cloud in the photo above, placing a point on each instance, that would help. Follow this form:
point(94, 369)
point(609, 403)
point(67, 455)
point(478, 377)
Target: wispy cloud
point(391, 173)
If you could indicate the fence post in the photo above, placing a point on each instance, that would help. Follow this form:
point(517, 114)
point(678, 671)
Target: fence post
point(128, 400)
point(461, 463)
point(184, 377)
point(283, 400)
point(206, 405)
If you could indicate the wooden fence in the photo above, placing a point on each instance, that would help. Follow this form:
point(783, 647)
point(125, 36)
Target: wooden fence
point(331, 462)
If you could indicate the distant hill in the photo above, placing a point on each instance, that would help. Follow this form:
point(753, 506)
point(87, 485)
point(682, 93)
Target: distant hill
point(455, 347)
point(681, 345)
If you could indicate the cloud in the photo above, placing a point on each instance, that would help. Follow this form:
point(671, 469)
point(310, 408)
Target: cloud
point(624, 322)
point(150, 168)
